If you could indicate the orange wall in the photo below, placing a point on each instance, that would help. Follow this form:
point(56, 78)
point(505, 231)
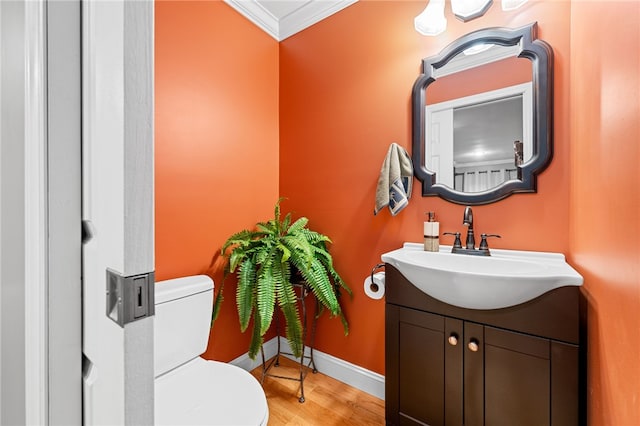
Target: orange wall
point(216, 89)
point(605, 200)
point(345, 96)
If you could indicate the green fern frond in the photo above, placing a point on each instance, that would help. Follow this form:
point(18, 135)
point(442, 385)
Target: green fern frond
point(217, 305)
point(286, 253)
point(315, 238)
point(286, 223)
point(322, 255)
point(301, 251)
point(266, 227)
point(293, 328)
point(297, 226)
point(245, 293)
point(256, 337)
point(339, 283)
point(241, 238)
point(322, 287)
point(345, 323)
point(262, 255)
point(236, 257)
point(266, 295)
point(288, 303)
point(276, 210)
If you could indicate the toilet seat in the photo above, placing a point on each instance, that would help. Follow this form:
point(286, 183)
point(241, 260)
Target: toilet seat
point(203, 392)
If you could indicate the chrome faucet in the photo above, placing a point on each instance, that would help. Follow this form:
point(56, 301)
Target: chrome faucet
point(467, 220)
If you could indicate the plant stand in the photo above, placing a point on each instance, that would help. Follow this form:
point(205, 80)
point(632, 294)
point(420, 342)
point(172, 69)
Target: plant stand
point(275, 361)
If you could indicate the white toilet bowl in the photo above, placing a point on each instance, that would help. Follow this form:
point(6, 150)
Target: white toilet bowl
point(190, 390)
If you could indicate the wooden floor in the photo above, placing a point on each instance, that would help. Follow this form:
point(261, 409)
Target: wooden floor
point(327, 401)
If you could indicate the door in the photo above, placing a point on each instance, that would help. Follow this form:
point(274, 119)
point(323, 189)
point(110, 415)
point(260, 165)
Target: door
point(517, 376)
point(421, 361)
point(424, 368)
point(117, 212)
point(439, 152)
point(507, 377)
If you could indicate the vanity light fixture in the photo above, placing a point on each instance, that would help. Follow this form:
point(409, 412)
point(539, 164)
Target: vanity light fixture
point(512, 4)
point(466, 10)
point(432, 22)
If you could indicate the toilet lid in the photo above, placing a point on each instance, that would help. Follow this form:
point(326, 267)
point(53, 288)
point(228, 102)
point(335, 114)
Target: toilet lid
point(205, 392)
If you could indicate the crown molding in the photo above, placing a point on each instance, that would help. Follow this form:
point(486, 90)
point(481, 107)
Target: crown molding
point(280, 27)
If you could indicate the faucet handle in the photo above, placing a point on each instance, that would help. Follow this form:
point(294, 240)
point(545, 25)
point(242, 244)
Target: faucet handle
point(483, 240)
point(456, 243)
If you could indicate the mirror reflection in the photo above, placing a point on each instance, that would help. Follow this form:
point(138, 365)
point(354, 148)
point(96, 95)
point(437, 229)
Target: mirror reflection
point(482, 109)
point(484, 156)
point(478, 119)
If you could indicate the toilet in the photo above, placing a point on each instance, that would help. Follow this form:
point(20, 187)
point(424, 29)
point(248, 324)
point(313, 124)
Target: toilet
point(190, 390)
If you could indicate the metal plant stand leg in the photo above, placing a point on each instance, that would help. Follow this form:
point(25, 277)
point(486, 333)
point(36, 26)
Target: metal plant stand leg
point(275, 361)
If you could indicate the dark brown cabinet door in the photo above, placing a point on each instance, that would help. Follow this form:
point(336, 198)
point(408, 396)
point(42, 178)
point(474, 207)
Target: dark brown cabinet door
point(428, 389)
point(421, 367)
point(517, 379)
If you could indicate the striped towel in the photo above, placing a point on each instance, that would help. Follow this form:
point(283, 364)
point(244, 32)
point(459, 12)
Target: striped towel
point(395, 181)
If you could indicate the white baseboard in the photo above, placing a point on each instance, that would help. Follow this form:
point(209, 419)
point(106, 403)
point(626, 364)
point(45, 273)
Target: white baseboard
point(346, 372)
point(243, 361)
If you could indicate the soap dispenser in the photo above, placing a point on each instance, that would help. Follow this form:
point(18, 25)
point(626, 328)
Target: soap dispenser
point(432, 233)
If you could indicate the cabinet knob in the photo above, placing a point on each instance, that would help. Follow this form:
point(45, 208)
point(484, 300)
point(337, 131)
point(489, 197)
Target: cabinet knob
point(453, 339)
point(473, 345)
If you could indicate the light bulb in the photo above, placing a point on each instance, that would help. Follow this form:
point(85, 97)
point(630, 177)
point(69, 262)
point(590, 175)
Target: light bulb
point(477, 48)
point(512, 4)
point(431, 21)
point(466, 10)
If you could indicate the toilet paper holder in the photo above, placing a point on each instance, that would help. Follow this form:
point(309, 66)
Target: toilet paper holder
point(374, 269)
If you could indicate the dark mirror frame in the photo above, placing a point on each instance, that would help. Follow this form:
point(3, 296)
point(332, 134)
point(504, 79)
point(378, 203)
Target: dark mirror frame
point(541, 56)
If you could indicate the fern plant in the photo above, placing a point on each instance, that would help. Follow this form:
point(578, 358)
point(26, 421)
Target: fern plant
point(265, 260)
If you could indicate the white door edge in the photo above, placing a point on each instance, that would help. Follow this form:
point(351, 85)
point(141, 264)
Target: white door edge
point(118, 201)
point(36, 366)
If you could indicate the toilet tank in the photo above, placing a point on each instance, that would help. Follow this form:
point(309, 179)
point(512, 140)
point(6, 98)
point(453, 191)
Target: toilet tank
point(182, 320)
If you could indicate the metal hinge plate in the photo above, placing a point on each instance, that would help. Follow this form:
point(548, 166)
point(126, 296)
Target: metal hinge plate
point(130, 298)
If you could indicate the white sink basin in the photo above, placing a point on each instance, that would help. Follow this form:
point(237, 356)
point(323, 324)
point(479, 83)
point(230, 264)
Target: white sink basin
point(506, 278)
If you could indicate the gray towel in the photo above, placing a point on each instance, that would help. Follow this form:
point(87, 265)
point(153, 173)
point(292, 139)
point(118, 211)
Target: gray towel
point(395, 181)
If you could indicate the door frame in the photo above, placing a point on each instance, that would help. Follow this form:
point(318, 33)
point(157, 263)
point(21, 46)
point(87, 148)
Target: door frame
point(40, 232)
point(36, 215)
point(23, 213)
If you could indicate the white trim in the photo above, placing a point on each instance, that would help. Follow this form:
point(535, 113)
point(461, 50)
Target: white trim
point(117, 177)
point(1, 338)
point(1, 399)
point(281, 27)
point(313, 13)
point(243, 361)
point(344, 371)
point(463, 62)
point(258, 15)
point(35, 261)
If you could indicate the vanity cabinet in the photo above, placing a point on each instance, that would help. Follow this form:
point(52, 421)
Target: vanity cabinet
point(453, 366)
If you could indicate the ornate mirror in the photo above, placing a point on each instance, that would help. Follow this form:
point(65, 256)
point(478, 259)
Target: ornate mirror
point(482, 116)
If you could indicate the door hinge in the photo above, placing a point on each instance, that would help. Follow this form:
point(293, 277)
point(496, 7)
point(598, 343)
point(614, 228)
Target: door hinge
point(130, 298)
